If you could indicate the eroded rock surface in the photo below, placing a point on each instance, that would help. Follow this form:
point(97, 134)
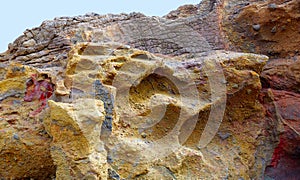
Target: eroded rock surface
point(134, 97)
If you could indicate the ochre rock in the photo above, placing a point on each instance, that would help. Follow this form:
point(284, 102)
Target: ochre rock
point(134, 97)
point(25, 145)
point(76, 148)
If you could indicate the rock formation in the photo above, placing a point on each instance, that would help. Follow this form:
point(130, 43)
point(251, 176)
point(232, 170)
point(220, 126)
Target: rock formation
point(209, 91)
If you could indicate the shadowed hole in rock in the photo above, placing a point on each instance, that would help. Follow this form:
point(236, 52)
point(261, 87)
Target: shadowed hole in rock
point(117, 64)
point(141, 94)
point(264, 82)
point(140, 56)
point(193, 140)
point(165, 125)
point(151, 85)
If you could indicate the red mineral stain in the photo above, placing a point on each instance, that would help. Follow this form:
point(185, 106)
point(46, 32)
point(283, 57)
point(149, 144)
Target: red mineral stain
point(278, 153)
point(39, 90)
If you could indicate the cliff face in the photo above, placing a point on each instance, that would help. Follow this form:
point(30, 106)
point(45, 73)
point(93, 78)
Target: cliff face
point(209, 91)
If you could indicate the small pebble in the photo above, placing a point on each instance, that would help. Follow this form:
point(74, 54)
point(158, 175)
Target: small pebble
point(249, 91)
point(235, 86)
point(272, 6)
point(274, 29)
point(144, 135)
point(29, 43)
point(16, 136)
point(256, 27)
point(224, 136)
point(110, 159)
point(283, 28)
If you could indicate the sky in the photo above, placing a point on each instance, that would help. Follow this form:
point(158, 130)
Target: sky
point(16, 15)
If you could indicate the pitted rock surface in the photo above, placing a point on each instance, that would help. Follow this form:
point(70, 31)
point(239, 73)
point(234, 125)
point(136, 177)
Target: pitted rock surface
point(130, 97)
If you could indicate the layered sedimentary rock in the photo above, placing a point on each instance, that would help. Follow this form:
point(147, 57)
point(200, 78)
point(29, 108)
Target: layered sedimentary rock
point(271, 28)
point(134, 97)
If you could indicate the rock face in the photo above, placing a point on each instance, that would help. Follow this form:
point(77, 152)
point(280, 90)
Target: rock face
point(76, 149)
point(134, 97)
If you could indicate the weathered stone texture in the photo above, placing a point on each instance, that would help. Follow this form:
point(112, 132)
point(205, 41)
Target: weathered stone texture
point(130, 96)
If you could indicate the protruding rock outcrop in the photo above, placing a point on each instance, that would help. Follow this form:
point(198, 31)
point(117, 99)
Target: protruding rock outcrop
point(136, 97)
point(76, 148)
